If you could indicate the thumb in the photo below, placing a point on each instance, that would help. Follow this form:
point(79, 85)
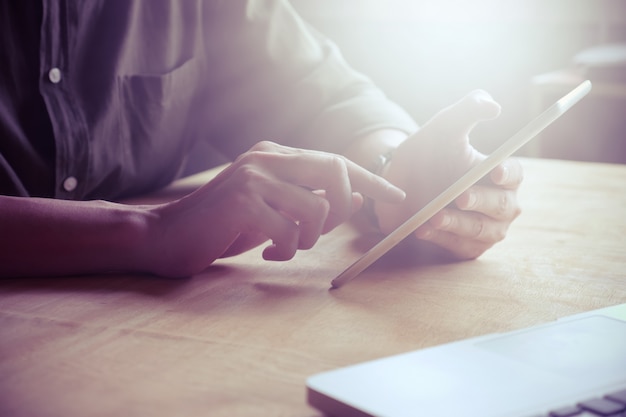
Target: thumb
point(461, 117)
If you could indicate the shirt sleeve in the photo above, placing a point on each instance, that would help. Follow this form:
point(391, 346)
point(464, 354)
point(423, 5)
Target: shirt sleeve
point(279, 79)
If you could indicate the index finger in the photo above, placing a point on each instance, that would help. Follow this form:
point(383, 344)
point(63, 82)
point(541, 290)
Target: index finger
point(372, 185)
point(340, 178)
point(334, 173)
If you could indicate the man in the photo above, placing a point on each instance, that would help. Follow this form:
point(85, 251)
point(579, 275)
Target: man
point(105, 99)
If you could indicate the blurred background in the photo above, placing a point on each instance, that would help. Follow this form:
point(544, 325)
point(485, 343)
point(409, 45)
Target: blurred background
point(426, 54)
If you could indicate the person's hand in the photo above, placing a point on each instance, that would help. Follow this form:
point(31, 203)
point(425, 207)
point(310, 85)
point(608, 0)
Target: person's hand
point(288, 195)
point(431, 160)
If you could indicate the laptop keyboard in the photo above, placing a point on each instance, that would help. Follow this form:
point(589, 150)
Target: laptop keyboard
point(613, 405)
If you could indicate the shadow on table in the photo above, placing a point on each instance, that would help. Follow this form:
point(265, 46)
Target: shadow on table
point(409, 253)
point(149, 285)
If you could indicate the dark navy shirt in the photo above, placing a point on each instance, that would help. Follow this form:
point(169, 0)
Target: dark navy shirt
point(110, 98)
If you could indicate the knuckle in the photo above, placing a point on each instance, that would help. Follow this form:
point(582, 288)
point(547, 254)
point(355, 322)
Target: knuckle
point(516, 166)
point(290, 232)
point(243, 207)
point(519, 178)
point(252, 157)
point(248, 173)
point(245, 158)
point(245, 190)
point(263, 146)
point(321, 207)
point(478, 228)
point(336, 164)
point(499, 234)
point(503, 204)
point(507, 207)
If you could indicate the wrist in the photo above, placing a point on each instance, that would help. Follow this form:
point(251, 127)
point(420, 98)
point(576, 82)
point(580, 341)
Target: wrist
point(134, 239)
point(373, 151)
point(379, 168)
point(382, 163)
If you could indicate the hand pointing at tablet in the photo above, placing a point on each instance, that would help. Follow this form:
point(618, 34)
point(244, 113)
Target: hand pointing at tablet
point(432, 159)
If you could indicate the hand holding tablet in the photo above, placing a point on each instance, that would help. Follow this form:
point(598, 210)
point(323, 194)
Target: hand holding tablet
point(522, 137)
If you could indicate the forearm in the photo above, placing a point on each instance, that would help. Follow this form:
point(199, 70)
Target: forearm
point(366, 150)
point(45, 237)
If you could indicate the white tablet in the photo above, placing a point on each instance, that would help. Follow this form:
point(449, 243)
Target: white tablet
point(518, 140)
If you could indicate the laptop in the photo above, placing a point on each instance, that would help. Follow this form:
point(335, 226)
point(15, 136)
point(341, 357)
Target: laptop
point(575, 366)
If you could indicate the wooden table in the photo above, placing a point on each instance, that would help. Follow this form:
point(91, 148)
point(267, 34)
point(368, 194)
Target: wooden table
point(241, 338)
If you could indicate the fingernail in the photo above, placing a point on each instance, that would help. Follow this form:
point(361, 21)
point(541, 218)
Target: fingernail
point(505, 174)
point(471, 199)
point(423, 233)
point(399, 192)
point(445, 221)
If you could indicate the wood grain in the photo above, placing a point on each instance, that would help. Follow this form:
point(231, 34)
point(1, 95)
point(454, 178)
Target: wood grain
point(241, 338)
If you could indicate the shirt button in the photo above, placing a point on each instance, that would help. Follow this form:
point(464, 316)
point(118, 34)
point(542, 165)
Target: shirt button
point(54, 75)
point(70, 184)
